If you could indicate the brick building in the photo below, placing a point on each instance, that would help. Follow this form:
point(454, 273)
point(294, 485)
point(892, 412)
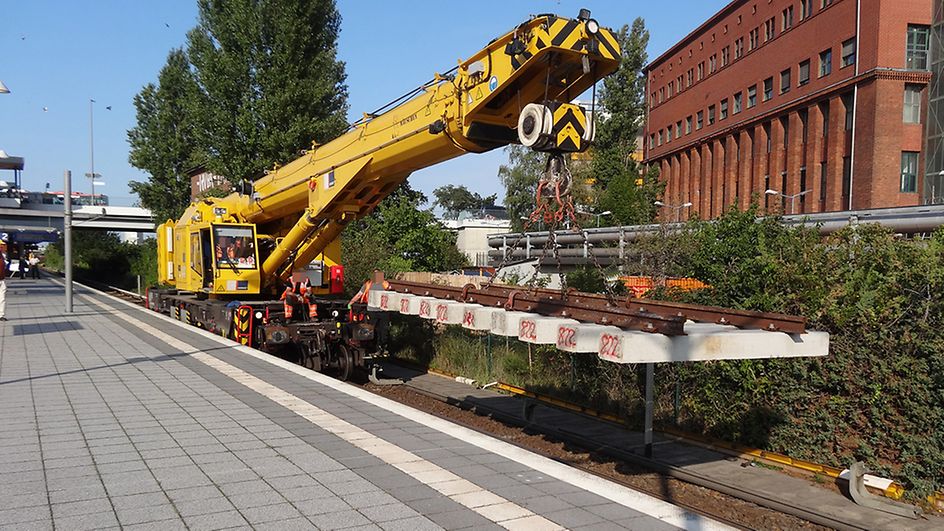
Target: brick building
point(824, 98)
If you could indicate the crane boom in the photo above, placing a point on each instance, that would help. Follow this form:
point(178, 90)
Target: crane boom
point(516, 89)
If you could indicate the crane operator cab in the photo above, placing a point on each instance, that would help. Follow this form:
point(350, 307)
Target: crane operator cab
point(210, 255)
point(223, 259)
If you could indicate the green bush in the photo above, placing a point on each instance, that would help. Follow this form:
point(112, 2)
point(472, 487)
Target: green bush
point(878, 397)
point(102, 257)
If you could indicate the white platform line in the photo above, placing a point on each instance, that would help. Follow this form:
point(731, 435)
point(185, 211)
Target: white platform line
point(625, 496)
point(492, 506)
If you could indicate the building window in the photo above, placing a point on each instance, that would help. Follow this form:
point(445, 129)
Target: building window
point(670, 90)
point(652, 140)
point(751, 96)
point(701, 70)
point(688, 77)
point(825, 62)
point(713, 64)
point(725, 56)
point(678, 85)
point(678, 129)
point(824, 3)
point(786, 19)
point(738, 47)
point(806, 9)
point(769, 29)
point(785, 81)
point(848, 101)
point(767, 136)
point(803, 74)
point(916, 54)
point(824, 110)
point(700, 120)
point(737, 103)
point(768, 88)
point(848, 52)
point(711, 114)
point(754, 37)
point(668, 134)
point(660, 137)
point(909, 171)
point(724, 109)
point(912, 108)
point(688, 125)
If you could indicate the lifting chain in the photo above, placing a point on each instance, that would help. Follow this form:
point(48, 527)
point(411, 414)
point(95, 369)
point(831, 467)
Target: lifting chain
point(554, 207)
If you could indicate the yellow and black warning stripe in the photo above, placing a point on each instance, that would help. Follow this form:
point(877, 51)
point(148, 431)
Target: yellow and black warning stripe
point(569, 127)
point(609, 46)
point(242, 321)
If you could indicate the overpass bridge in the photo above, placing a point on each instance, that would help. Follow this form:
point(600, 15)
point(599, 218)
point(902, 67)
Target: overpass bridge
point(35, 222)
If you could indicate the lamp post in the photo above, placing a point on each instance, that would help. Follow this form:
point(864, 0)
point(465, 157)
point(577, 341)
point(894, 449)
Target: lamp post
point(792, 198)
point(91, 174)
point(676, 208)
point(600, 215)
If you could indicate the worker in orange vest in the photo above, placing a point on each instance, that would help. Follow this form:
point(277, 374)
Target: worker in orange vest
point(363, 294)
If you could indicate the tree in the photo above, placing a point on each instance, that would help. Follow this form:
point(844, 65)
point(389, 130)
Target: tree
point(398, 236)
point(270, 82)
point(457, 199)
point(163, 143)
point(520, 179)
point(622, 186)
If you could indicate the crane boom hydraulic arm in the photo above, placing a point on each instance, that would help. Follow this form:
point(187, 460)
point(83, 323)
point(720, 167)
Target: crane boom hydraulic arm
point(516, 89)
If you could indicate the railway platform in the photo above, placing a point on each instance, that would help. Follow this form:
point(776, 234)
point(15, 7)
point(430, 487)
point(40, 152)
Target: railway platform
point(117, 417)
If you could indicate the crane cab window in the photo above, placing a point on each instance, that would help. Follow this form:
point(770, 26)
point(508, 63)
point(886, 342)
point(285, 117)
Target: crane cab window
point(234, 247)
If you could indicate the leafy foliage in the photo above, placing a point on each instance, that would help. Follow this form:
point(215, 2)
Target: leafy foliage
point(270, 82)
point(163, 142)
point(457, 199)
point(623, 188)
point(398, 236)
point(259, 82)
point(520, 179)
point(877, 397)
point(103, 257)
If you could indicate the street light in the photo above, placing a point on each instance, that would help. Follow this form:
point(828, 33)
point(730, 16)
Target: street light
point(600, 215)
point(792, 198)
point(91, 174)
point(676, 208)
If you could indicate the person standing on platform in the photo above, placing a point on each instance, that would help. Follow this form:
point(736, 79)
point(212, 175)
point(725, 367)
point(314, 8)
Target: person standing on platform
point(34, 266)
point(3, 283)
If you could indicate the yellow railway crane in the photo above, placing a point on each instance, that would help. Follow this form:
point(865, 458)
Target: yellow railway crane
point(285, 233)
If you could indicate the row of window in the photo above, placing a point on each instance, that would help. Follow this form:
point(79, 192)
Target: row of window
point(912, 99)
point(737, 100)
point(693, 75)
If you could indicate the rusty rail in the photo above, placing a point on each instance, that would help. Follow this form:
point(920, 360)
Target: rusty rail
point(628, 313)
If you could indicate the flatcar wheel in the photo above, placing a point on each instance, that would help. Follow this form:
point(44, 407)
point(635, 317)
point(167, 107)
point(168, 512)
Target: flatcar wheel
point(345, 363)
point(304, 356)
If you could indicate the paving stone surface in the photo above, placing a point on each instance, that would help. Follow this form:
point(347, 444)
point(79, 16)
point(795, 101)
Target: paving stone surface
point(106, 424)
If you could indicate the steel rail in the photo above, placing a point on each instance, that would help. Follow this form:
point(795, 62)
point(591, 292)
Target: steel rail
point(541, 303)
point(635, 314)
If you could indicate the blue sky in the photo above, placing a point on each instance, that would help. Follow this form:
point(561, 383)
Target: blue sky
point(59, 54)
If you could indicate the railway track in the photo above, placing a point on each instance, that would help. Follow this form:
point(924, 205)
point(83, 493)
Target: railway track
point(730, 510)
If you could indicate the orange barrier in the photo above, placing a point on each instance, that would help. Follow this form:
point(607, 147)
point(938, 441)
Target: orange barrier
point(639, 286)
